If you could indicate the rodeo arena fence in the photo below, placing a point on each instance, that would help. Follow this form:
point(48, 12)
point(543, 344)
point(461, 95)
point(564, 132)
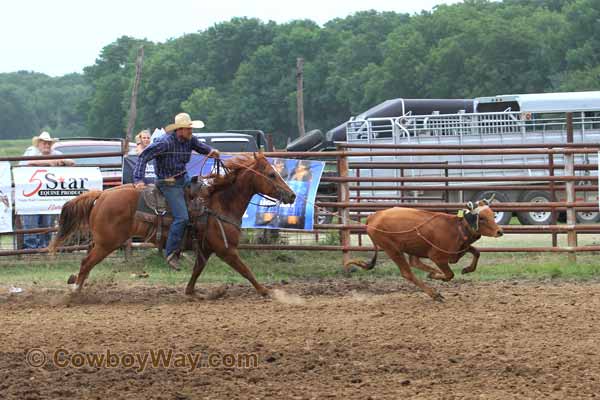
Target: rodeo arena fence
point(368, 177)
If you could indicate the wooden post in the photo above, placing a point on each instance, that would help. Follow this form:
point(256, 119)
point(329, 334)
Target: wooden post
point(570, 187)
point(134, 91)
point(131, 122)
point(300, 95)
point(17, 239)
point(343, 197)
point(270, 142)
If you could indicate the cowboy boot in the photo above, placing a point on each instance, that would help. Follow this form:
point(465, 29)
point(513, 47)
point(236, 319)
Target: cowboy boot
point(173, 261)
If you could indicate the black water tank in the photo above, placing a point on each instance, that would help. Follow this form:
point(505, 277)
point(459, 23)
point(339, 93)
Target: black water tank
point(309, 141)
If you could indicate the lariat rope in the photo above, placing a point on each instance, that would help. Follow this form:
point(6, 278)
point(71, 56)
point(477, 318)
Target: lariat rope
point(219, 164)
point(414, 229)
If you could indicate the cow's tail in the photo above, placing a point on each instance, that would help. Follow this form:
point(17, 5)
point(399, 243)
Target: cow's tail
point(74, 216)
point(363, 264)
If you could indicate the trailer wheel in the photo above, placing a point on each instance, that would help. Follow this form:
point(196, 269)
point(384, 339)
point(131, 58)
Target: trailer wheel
point(501, 217)
point(535, 217)
point(323, 219)
point(587, 217)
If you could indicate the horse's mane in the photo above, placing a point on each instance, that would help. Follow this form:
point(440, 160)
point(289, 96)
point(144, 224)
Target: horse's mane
point(235, 166)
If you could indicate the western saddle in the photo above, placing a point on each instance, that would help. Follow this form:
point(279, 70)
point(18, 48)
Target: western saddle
point(152, 208)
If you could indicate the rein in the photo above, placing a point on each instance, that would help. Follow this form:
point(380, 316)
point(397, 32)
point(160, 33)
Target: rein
point(275, 202)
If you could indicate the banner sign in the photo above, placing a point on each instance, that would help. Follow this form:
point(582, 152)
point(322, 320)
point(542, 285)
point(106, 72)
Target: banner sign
point(128, 167)
point(5, 198)
point(302, 176)
point(44, 190)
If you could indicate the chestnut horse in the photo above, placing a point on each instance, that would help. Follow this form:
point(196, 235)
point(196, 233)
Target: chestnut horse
point(110, 216)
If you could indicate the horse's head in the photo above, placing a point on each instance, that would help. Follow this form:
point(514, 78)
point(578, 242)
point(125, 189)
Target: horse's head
point(267, 181)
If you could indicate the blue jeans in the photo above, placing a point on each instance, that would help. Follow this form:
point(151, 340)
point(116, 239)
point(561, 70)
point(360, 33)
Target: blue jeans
point(175, 195)
point(37, 240)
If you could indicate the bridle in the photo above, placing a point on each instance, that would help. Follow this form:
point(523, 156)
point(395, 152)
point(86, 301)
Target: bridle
point(280, 191)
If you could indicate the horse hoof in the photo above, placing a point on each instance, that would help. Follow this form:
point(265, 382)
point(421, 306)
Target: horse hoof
point(72, 279)
point(466, 270)
point(439, 298)
point(194, 296)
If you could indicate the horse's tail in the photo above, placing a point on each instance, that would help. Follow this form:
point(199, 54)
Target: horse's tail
point(74, 215)
point(363, 264)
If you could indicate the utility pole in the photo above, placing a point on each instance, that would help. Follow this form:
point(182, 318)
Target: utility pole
point(300, 95)
point(131, 122)
point(136, 84)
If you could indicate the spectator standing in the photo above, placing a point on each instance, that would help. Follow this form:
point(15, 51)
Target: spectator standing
point(142, 140)
point(41, 146)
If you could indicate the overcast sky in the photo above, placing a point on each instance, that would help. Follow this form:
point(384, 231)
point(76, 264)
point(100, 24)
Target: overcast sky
point(63, 36)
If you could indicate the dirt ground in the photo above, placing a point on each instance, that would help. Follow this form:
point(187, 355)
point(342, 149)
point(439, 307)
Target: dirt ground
point(343, 339)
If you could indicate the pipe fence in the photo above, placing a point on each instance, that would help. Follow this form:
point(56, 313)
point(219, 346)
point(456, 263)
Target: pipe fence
point(388, 179)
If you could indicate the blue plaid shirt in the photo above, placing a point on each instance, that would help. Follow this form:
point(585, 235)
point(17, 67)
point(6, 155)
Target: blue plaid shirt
point(171, 156)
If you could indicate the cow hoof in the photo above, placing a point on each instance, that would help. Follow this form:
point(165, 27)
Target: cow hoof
point(439, 298)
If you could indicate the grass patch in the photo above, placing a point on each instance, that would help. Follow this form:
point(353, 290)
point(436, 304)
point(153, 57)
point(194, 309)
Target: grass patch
point(290, 266)
point(13, 147)
point(537, 266)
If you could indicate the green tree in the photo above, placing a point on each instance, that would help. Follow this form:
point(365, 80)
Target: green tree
point(17, 120)
point(207, 104)
point(110, 78)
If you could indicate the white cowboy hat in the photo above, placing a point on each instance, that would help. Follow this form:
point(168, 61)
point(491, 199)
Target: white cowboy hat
point(44, 136)
point(183, 120)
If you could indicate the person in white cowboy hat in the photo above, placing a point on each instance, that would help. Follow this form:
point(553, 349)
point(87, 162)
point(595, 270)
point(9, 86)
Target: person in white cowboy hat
point(41, 146)
point(172, 152)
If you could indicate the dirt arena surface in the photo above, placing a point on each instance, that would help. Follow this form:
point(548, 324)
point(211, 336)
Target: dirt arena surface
point(328, 339)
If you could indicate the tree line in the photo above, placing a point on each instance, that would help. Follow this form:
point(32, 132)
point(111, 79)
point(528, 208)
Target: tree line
point(240, 74)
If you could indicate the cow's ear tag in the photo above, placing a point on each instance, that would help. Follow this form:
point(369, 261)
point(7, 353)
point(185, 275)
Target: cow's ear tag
point(461, 213)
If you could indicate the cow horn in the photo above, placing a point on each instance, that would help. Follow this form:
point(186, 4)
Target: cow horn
point(489, 201)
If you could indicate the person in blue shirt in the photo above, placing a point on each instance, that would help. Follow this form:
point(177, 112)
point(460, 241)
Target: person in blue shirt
point(171, 153)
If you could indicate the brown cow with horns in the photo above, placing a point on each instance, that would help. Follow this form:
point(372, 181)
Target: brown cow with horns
point(442, 238)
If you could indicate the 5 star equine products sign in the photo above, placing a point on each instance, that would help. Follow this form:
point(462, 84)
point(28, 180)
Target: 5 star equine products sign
point(5, 197)
point(44, 190)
